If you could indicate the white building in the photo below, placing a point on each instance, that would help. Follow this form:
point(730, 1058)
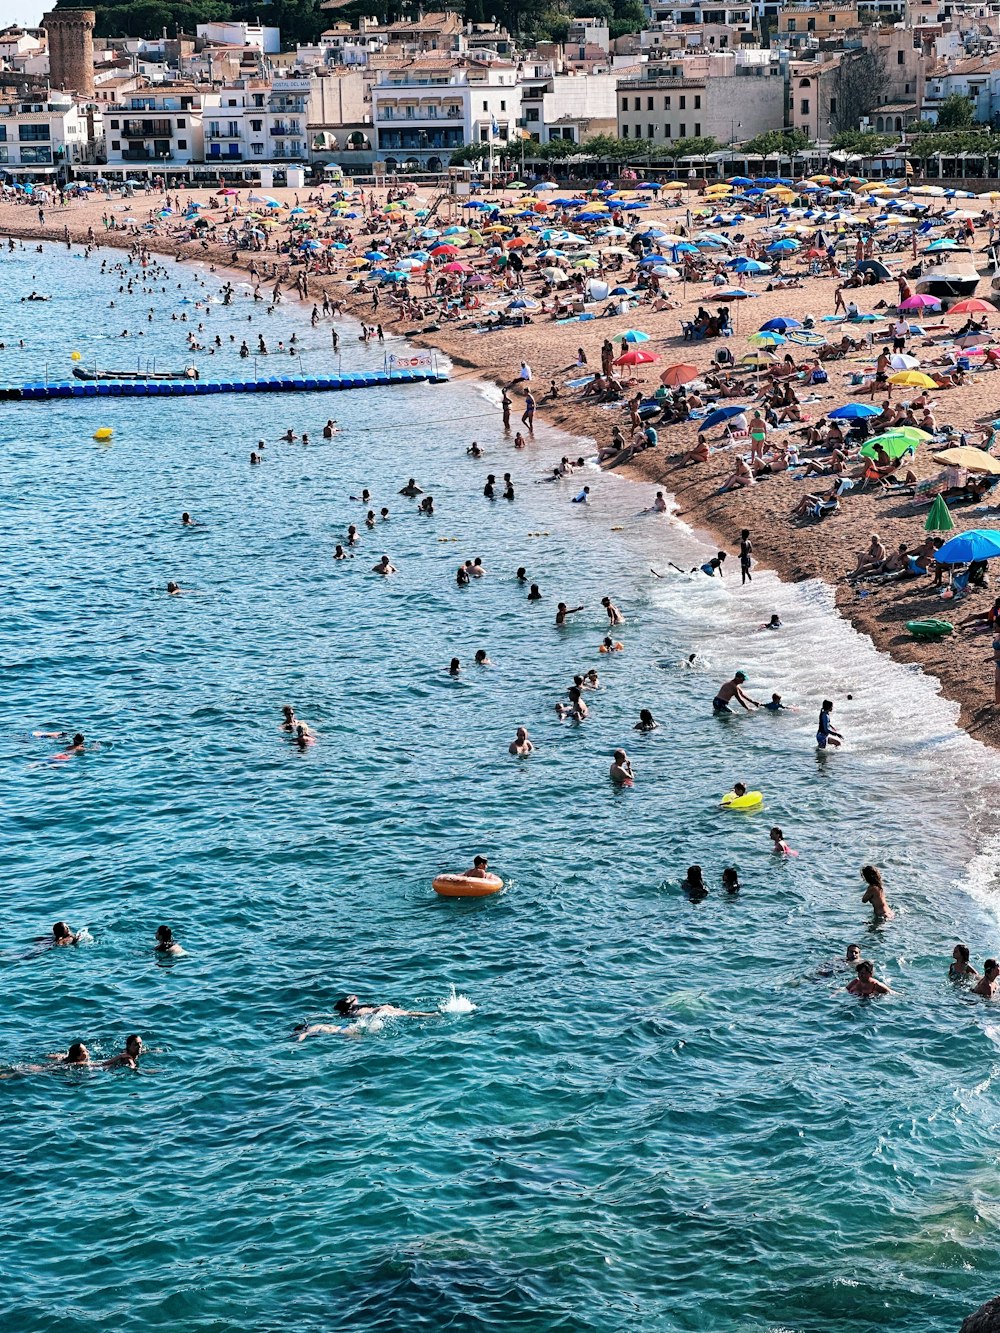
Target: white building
point(568, 106)
point(155, 126)
point(38, 137)
point(424, 110)
point(234, 33)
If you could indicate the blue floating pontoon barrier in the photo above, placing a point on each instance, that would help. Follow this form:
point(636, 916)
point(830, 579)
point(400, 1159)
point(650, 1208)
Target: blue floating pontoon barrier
point(37, 392)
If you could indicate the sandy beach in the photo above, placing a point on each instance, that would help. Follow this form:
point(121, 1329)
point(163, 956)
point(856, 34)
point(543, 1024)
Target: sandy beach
point(796, 547)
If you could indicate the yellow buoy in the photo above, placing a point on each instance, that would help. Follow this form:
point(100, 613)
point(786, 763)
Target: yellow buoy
point(75, 356)
point(104, 433)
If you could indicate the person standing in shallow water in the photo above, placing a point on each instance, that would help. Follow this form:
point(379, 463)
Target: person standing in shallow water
point(875, 894)
point(746, 556)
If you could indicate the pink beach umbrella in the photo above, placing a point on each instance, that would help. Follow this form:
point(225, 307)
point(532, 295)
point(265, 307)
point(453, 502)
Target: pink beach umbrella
point(919, 302)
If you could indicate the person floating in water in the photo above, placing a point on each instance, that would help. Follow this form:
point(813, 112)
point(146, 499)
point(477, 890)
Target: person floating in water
point(384, 567)
point(731, 880)
point(775, 705)
point(62, 935)
point(647, 722)
point(129, 1057)
point(350, 1007)
point(480, 869)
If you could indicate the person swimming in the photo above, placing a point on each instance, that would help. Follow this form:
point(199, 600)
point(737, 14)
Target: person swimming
point(875, 894)
point(289, 720)
point(76, 1055)
point(773, 623)
point(693, 883)
point(610, 645)
point(384, 567)
point(647, 722)
point(865, 983)
point(534, 595)
point(775, 705)
point(165, 942)
point(480, 869)
point(454, 667)
point(62, 935)
point(778, 844)
point(481, 658)
point(960, 969)
point(620, 771)
point(348, 1006)
point(731, 880)
point(129, 1057)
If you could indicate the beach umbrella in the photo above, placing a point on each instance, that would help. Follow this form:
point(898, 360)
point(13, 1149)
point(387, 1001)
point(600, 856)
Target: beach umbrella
point(785, 246)
point(720, 415)
point(634, 336)
point(973, 460)
point(636, 358)
point(780, 325)
point(744, 265)
point(900, 361)
point(555, 274)
point(972, 305)
point(919, 302)
point(674, 376)
point(375, 255)
point(455, 266)
point(895, 443)
point(854, 412)
point(766, 338)
point(939, 519)
point(976, 544)
point(913, 379)
point(731, 294)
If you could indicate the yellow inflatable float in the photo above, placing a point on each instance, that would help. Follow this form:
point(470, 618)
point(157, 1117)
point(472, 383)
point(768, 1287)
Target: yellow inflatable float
point(103, 433)
point(467, 886)
point(748, 800)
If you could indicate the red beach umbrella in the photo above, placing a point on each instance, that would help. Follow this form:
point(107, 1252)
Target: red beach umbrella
point(674, 376)
point(636, 358)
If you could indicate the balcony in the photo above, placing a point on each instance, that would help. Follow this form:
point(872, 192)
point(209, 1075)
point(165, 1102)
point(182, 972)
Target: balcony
point(282, 154)
point(146, 129)
point(280, 127)
point(222, 134)
point(144, 155)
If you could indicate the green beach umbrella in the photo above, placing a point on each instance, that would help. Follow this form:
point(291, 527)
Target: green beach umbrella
point(896, 443)
point(939, 519)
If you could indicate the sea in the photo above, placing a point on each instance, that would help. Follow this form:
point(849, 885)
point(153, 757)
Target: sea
point(627, 1110)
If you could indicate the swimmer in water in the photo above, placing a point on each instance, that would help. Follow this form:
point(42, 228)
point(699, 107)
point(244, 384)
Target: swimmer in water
point(462, 576)
point(576, 709)
point(659, 505)
point(731, 880)
point(129, 1057)
point(62, 935)
point(384, 567)
point(875, 894)
point(289, 720)
point(411, 488)
point(474, 451)
point(865, 983)
point(364, 498)
point(480, 868)
point(826, 732)
point(620, 771)
point(174, 589)
point(339, 553)
point(776, 706)
point(693, 883)
point(960, 969)
point(583, 498)
point(534, 595)
point(76, 1055)
point(610, 645)
point(302, 738)
point(522, 574)
point(188, 522)
point(733, 689)
point(350, 1007)
point(562, 611)
point(778, 844)
point(165, 942)
point(987, 985)
point(520, 745)
point(647, 722)
point(773, 623)
point(481, 658)
point(454, 667)
point(615, 616)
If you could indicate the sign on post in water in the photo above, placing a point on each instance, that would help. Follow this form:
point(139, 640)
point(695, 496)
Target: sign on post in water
point(410, 361)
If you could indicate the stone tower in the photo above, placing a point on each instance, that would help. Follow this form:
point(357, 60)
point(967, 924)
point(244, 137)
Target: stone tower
point(71, 49)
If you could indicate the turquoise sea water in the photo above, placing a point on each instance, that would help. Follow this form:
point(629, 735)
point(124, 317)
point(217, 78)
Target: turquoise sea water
point(658, 1115)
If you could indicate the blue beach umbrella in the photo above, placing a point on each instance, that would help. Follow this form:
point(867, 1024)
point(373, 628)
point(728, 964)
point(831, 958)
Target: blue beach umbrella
point(976, 544)
point(720, 415)
point(783, 247)
point(745, 265)
point(635, 336)
point(854, 412)
point(780, 325)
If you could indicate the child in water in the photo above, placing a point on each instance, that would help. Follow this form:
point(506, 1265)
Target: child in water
point(779, 846)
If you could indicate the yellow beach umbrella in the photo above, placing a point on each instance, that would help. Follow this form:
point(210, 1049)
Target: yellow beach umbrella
point(913, 379)
point(973, 460)
point(674, 185)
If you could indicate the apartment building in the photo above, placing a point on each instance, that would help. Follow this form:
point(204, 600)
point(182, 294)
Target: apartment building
point(719, 95)
point(568, 106)
point(38, 137)
point(156, 125)
point(424, 109)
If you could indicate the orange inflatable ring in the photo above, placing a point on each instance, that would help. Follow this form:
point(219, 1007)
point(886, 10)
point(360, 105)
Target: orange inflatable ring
point(459, 886)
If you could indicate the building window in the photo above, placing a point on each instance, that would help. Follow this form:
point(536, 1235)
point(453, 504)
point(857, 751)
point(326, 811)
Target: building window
point(181, 123)
point(115, 125)
point(899, 58)
point(485, 106)
point(804, 106)
point(697, 129)
point(624, 103)
point(683, 102)
point(3, 133)
point(638, 103)
point(503, 106)
point(33, 133)
point(666, 132)
point(697, 101)
point(833, 105)
point(791, 25)
point(531, 115)
point(650, 131)
point(256, 125)
point(682, 130)
point(116, 145)
point(666, 102)
point(624, 131)
point(649, 104)
point(182, 143)
point(257, 149)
